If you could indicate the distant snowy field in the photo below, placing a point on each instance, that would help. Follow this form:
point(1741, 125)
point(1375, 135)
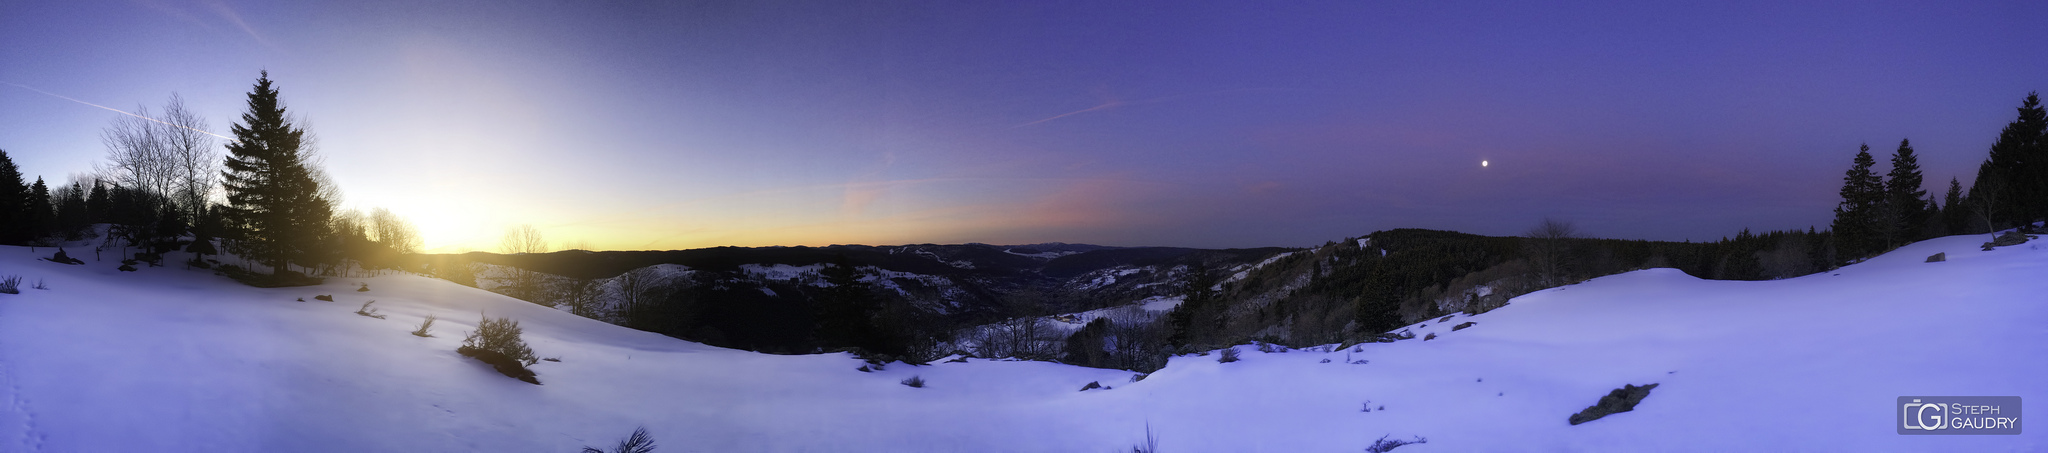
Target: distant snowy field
point(167, 359)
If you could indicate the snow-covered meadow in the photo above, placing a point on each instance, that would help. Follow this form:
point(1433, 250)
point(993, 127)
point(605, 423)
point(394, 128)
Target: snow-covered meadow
point(168, 359)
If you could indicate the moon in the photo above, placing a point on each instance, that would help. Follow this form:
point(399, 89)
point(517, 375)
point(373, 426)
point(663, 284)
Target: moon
point(1482, 163)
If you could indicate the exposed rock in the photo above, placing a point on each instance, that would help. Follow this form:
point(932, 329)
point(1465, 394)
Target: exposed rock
point(1462, 326)
point(1432, 336)
point(1623, 399)
point(2007, 239)
point(1938, 257)
point(1091, 386)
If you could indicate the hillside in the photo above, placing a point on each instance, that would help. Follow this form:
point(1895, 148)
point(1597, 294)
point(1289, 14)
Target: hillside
point(167, 359)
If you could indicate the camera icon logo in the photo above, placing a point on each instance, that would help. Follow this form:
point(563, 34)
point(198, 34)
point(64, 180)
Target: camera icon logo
point(1924, 416)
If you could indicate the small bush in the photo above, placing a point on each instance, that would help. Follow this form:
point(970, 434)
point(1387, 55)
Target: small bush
point(424, 325)
point(500, 335)
point(1463, 326)
point(638, 442)
point(367, 311)
point(41, 285)
point(1385, 445)
point(10, 284)
point(126, 268)
point(914, 382)
point(365, 288)
point(1432, 336)
point(324, 297)
point(1227, 355)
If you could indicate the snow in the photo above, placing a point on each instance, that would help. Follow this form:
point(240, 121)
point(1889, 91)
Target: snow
point(1246, 270)
point(168, 359)
point(782, 271)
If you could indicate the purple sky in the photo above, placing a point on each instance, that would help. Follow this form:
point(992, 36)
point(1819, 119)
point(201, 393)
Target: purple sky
point(627, 126)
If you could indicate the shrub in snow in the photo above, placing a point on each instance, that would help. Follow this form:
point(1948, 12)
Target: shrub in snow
point(1447, 318)
point(324, 297)
point(365, 288)
point(1432, 336)
point(1227, 355)
point(40, 285)
point(126, 267)
point(1151, 442)
point(497, 342)
point(914, 381)
point(424, 325)
point(10, 284)
point(1623, 399)
point(1385, 445)
point(1138, 377)
point(1462, 326)
point(638, 442)
point(367, 311)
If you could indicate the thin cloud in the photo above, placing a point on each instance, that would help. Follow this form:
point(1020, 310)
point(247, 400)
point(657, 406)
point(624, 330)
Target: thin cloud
point(115, 110)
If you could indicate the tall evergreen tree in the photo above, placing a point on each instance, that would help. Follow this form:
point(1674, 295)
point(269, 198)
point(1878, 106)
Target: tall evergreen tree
point(1954, 214)
point(2014, 178)
point(1856, 218)
point(275, 210)
point(99, 205)
point(1199, 314)
point(71, 212)
point(40, 215)
point(13, 203)
point(1905, 200)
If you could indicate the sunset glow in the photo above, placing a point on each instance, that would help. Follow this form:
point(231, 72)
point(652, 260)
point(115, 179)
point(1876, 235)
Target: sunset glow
point(672, 126)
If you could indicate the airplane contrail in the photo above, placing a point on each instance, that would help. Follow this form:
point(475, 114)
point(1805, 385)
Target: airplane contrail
point(115, 110)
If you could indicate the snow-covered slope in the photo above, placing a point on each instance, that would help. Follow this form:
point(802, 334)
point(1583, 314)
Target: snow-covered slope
point(167, 359)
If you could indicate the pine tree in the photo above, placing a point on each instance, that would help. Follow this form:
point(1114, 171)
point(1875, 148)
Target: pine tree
point(1905, 200)
point(99, 205)
point(1856, 218)
point(275, 210)
point(2014, 178)
point(13, 203)
point(1198, 314)
point(1954, 214)
point(40, 215)
point(71, 212)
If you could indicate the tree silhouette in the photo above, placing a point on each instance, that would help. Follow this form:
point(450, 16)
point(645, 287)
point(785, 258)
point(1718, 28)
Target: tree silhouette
point(275, 210)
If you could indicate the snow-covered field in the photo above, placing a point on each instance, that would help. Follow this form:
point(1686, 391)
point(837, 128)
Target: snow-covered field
point(167, 359)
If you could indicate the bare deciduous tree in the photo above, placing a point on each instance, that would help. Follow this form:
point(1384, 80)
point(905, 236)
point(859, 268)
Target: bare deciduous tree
point(195, 164)
point(171, 155)
point(518, 282)
point(584, 297)
point(522, 239)
point(636, 288)
point(394, 231)
point(1549, 246)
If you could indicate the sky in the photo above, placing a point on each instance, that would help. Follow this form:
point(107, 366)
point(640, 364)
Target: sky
point(675, 125)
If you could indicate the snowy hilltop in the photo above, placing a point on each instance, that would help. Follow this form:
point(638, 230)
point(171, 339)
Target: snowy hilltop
point(96, 359)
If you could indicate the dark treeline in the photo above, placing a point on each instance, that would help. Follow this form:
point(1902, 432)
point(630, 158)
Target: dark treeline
point(164, 187)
